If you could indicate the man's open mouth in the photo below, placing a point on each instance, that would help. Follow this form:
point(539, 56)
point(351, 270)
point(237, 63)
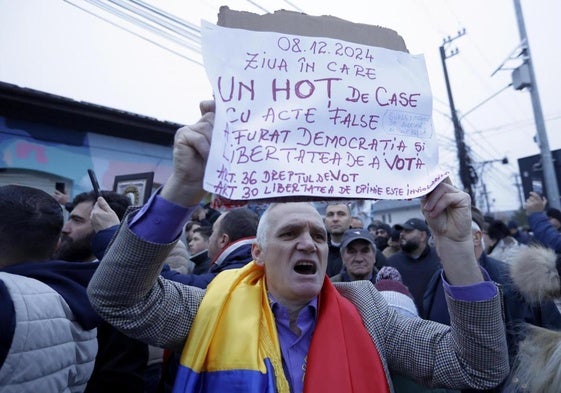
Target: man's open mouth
point(305, 268)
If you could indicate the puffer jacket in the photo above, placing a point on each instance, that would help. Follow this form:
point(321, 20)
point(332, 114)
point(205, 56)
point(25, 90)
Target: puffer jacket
point(50, 350)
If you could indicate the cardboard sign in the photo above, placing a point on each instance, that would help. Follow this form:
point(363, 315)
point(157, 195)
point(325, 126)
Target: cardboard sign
point(317, 117)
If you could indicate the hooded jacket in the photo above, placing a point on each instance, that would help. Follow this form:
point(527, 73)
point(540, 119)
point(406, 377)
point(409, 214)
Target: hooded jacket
point(544, 232)
point(233, 256)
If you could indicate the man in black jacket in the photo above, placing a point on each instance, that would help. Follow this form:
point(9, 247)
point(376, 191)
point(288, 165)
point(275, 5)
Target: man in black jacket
point(121, 360)
point(417, 261)
point(337, 221)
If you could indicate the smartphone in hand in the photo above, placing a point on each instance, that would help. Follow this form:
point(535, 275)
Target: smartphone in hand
point(537, 186)
point(95, 184)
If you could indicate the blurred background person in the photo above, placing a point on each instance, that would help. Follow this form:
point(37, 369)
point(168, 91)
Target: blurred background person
point(337, 220)
point(499, 243)
point(554, 216)
point(521, 236)
point(198, 247)
point(381, 232)
point(356, 222)
point(393, 244)
point(541, 225)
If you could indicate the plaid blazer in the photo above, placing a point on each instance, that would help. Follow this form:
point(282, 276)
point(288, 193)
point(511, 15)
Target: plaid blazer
point(129, 293)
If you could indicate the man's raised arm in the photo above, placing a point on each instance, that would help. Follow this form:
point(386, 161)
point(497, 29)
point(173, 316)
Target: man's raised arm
point(126, 289)
point(448, 213)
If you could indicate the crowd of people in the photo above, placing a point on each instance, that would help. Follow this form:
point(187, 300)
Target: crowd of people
point(177, 296)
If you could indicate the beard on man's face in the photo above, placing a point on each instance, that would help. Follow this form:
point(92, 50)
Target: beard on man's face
point(409, 246)
point(381, 242)
point(71, 250)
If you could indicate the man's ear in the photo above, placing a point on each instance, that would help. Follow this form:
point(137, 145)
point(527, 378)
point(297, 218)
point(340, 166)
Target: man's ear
point(223, 241)
point(477, 235)
point(59, 241)
point(256, 252)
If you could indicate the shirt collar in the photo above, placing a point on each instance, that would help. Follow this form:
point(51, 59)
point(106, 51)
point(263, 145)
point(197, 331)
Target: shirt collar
point(278, 309)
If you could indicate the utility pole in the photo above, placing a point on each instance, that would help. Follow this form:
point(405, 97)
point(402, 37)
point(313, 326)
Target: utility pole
point(522, 77)
point(467, 173)
point(485, 193)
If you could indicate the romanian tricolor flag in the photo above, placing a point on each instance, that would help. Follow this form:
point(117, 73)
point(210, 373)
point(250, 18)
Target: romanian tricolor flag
point(233, 344)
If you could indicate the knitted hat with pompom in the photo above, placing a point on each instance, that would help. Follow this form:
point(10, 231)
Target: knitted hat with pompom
point(388, 282)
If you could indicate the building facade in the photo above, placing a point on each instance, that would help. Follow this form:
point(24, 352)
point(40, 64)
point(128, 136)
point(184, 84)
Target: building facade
point(47, 139)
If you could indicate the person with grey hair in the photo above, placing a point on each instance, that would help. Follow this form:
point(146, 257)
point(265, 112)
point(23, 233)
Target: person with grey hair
point(358, 252)
point(278, 324)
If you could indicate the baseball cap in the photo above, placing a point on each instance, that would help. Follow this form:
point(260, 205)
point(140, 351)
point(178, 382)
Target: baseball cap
point(413, 223)
point(380, 225)
point(350, 235)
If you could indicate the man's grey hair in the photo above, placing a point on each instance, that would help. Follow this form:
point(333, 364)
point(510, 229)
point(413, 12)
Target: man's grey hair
point(263, 227)
point(264, 223)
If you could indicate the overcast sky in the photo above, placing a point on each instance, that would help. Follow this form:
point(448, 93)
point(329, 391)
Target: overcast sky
point(53, 46)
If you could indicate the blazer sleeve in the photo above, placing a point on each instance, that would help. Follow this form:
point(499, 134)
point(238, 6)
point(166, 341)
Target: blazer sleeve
point(128, 292)
point(471, 353)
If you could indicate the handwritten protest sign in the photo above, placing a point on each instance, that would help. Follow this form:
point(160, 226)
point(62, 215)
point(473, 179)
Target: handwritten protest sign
point(317, 117)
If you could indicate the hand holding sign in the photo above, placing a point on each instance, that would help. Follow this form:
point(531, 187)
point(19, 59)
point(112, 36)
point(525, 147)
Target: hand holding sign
point(190, 153)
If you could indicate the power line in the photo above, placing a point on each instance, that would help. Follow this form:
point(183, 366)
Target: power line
point(506, 127)
point(293, 5)
point(478, 143)
point(142, 25)
point(485, 100)
point(164, 19)
point(133, 33)
point(258, 6)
